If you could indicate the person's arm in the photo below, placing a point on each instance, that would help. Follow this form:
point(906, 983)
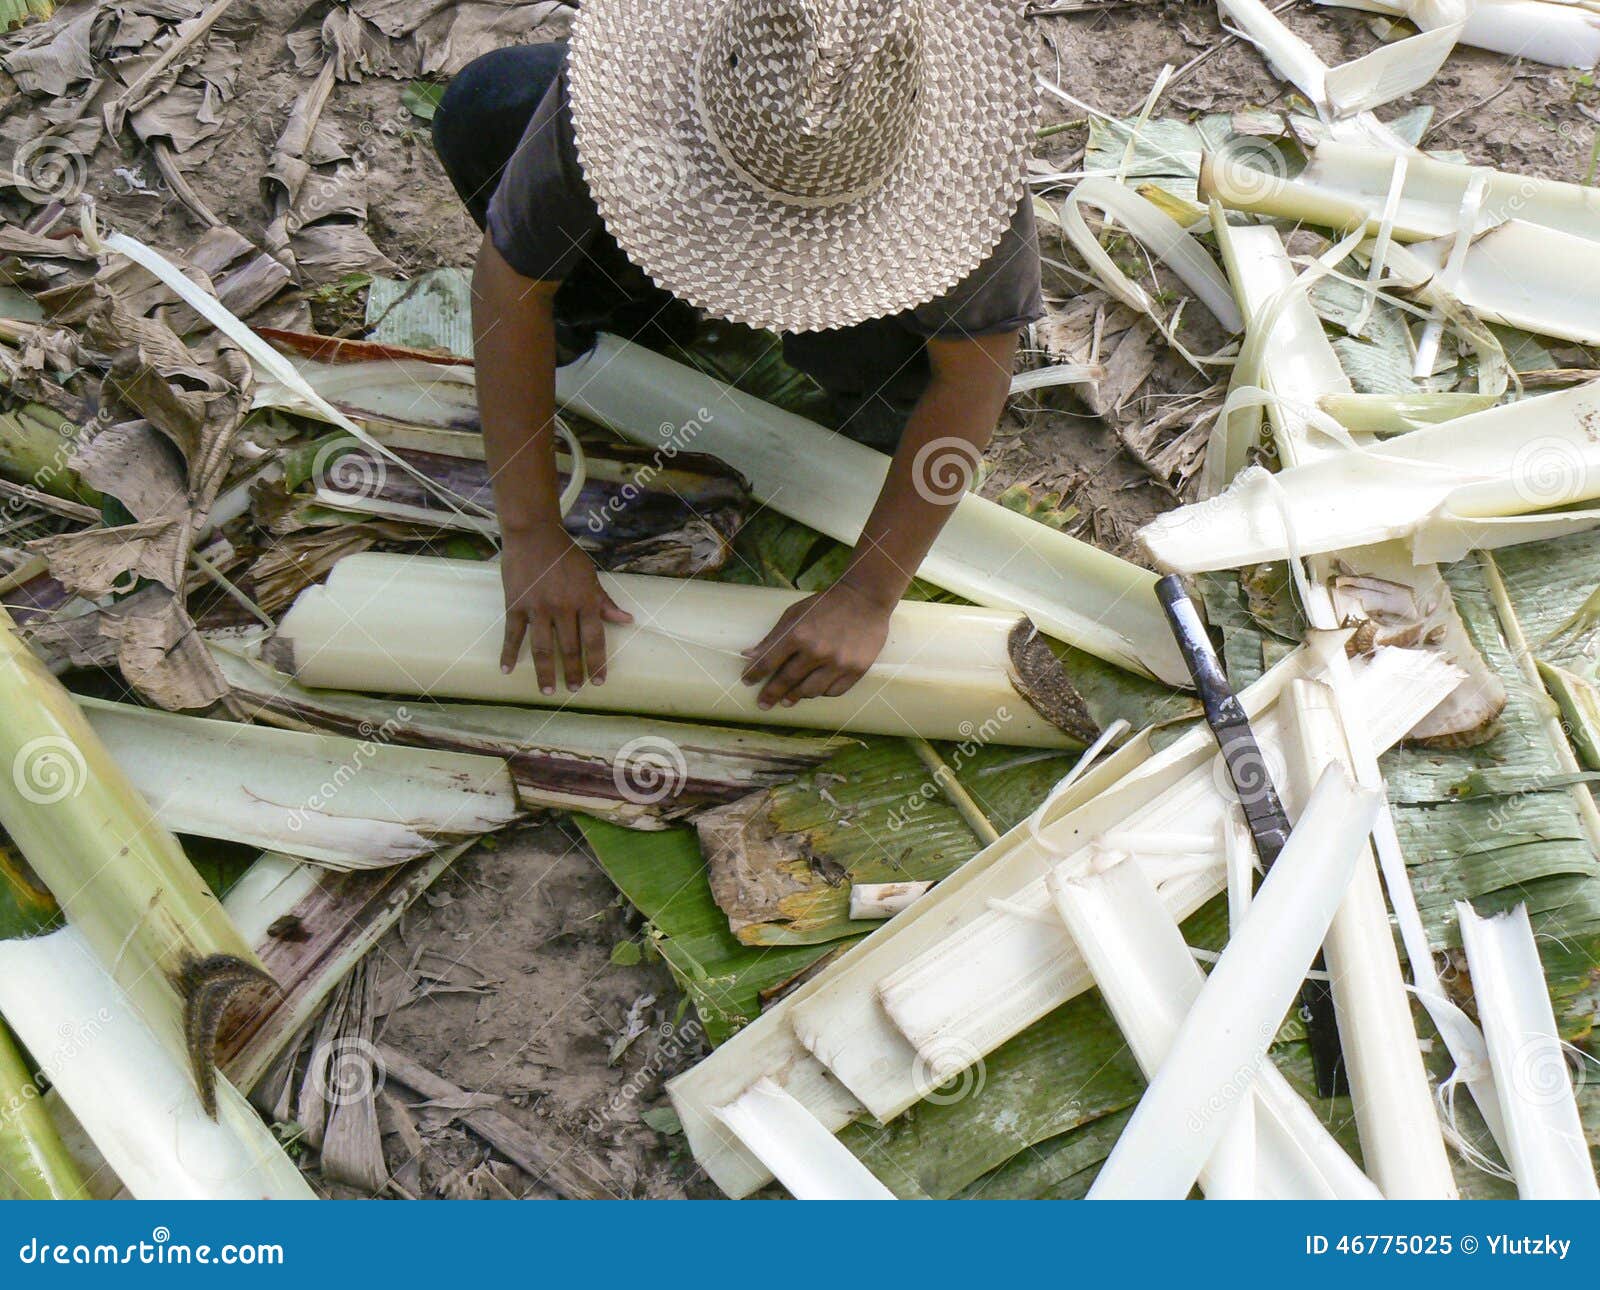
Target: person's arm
point(553, 597)
point(825, 643)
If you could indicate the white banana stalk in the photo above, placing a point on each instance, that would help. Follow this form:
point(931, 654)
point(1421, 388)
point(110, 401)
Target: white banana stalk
point(408, 625)
point(1401, 1142)
point(803, 1156)
point(1546, 1146)
point(1288, 356)
point(1516, 273)
point(1275, 1147)
point(121, 879)
point(348, 803)
point(1556, 34)
point(128, 1088)
point(1217, 1055)
point(1389, 72)
point(1484, 480)
point(1346, 186)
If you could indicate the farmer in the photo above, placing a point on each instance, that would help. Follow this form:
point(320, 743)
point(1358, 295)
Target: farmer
point(845, 172)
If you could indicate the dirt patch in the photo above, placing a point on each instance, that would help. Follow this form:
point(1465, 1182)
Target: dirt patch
point(507, 986)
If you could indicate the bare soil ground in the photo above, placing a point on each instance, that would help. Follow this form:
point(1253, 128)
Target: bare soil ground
point(519, 998)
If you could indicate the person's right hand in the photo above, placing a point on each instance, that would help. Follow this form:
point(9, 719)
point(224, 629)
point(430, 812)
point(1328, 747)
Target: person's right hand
point(554, 599)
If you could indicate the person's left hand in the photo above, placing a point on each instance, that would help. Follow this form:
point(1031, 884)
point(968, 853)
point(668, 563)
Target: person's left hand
point(821, 646)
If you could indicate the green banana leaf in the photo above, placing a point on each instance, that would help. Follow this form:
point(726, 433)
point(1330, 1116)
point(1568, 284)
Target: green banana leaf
point(1553, 588)
point(1060, 1168)
point(1223, 597)
point(871, 813)
point(1162, 153)
point(1497, 824)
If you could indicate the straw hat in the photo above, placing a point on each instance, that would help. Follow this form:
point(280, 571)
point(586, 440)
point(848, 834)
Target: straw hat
point(803, 164)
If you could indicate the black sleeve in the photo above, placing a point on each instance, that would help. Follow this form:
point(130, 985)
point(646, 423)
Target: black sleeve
point(541, 218)
point(1002, 294)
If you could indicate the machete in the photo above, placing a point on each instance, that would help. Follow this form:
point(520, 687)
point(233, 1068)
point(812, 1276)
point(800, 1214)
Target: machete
point(1263, 809)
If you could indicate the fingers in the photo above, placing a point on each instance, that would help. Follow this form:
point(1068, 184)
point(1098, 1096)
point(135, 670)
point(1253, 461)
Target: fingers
point(555, 602)
point(827, 680)
point(796, 663)
point(781, 688)
point(576, 639)
point(842, 685)
point(511, 646)
point(775, 649)
point(819, 682)
point(544, 654)
point(769, 654)
point(569, 640)
point(592, 630)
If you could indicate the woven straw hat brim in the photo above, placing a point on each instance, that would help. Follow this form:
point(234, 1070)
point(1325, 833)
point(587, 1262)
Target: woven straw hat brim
point(712, 239)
